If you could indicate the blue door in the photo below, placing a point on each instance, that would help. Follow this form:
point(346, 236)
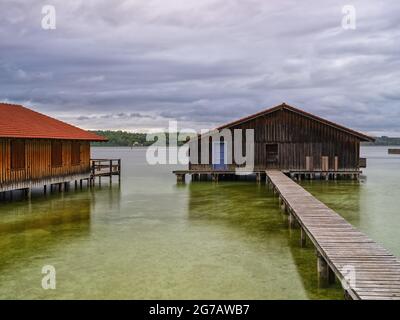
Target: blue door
point(219, 156)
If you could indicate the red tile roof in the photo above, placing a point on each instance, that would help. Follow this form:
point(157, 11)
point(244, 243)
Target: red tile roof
point(17, 121)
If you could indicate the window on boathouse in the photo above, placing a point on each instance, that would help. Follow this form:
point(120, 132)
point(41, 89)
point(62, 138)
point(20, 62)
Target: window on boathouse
point(56, 153)
point(17, 148)
point(75, 153)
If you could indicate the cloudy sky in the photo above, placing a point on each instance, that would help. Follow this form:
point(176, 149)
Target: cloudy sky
point(137, 64)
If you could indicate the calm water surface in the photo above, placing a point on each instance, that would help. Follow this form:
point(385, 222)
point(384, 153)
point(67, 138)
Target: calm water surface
point(152, 239)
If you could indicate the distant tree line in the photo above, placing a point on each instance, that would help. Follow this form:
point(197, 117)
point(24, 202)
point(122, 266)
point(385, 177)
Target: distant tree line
point(383, 141)
point(125, 139)
point(129, 139)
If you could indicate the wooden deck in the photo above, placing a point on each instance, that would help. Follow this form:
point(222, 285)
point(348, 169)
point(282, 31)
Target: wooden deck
point(215, 175)
point(99, 168)
point(105, 168)
point(365, 269)
point(259, 174)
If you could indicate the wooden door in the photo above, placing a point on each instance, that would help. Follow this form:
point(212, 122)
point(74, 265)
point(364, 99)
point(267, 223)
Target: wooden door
point(271, 155)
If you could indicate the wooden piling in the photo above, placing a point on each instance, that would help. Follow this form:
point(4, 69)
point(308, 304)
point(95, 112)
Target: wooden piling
point(27, 193)
point(180, 178)
point(303, 238)
point(111, 171)
point(322, 269)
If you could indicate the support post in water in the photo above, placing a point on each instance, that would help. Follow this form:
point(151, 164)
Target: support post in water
point(303, 238)
point(292, 221)
point(28, 193)
point(119, 171)
point(325, 273)
point(283, 206)
point(322, 268)
point(180, 178)
point(111, 171)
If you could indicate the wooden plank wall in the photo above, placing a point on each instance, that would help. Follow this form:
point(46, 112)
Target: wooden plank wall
point(38, 161)
point(299, 137)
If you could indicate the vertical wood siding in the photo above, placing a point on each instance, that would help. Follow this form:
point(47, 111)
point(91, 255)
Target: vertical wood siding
point(38, 161)
point(299, 137)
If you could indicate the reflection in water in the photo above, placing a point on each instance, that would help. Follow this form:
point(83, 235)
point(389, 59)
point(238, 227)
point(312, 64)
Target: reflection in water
point(346, 193)
point(251, 219)
point(372, 205)
point(33, 230)
point(152, 239)
point(27, 231)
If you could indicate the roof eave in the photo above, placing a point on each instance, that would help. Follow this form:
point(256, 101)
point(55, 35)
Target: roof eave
point(54, 138)
point(282, 106)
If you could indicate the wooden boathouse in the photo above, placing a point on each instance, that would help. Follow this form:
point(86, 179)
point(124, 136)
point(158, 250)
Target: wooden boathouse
point(288, 139)
point(37, 150)
point(290, 143)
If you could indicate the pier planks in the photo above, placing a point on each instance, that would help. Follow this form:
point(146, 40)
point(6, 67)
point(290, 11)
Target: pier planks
point(376, 271)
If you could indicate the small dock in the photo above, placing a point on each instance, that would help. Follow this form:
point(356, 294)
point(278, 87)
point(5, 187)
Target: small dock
point(99, 168)
point(367, 271)
point(104, 168)
point(394, 151)
point(213, 175)
point(259, 175)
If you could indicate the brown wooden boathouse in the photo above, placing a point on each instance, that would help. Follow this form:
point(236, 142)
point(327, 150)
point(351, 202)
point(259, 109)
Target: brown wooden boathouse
point(36, 150)
point(291, 140)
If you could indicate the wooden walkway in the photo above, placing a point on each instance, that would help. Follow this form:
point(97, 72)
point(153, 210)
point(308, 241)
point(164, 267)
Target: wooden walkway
point(104, 168)
point(365, 269)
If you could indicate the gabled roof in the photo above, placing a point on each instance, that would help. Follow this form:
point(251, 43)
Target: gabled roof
point(284, 106)
point(17, 121)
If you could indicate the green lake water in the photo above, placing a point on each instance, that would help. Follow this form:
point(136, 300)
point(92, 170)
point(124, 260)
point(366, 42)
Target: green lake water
point(153, 239)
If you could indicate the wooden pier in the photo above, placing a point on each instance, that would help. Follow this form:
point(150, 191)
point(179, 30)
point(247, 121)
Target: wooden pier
point(216, 175)
point(366, 270)
point(104, 168)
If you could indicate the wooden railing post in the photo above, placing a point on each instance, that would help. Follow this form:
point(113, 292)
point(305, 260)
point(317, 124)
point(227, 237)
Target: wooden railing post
point(93, 172)
point(111, 171)
point(103, 167)
point(119, 171)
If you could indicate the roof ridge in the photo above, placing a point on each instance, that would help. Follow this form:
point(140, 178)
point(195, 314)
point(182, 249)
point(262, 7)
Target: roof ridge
point(326, 121)
point(11, 104)
point(52, 118)
point(286, 106)
point(24, 122)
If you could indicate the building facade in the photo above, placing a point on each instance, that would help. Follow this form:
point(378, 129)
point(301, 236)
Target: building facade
point(36, 150)
point(285, 138)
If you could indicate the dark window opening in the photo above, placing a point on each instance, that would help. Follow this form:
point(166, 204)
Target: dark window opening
point(75, 153)
point(272, 153)
point(17, 154)
point(56, 154)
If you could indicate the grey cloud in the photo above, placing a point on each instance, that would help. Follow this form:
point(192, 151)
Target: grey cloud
point(202, 62)
point(82, 118)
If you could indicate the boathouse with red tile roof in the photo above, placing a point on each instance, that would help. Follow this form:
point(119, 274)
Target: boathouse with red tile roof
point(37, 150)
